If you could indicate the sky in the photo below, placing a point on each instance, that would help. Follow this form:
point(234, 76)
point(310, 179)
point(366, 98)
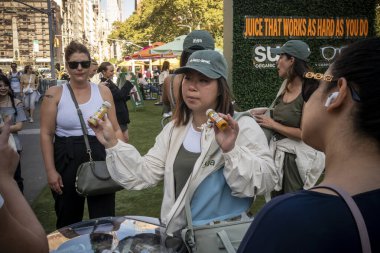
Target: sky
point(128, 8)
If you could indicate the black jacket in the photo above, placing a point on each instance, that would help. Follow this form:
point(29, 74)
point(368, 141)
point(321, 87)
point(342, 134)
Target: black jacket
point(120, 97)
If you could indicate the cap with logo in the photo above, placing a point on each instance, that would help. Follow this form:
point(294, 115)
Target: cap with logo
point(199, 39)
point(208, 62)
point(295, 48)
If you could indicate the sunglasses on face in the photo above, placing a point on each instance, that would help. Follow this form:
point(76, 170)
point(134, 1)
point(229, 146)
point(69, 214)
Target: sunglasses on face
point(75, 64)
point(308, 88)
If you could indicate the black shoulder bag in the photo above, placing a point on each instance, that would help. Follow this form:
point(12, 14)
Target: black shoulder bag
point(92, 177)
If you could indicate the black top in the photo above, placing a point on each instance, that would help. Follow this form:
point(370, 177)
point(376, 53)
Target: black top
point(120, 97)
point(309, 221)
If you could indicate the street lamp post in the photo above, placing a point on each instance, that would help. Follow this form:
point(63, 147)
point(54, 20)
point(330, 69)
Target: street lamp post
point(48, 12)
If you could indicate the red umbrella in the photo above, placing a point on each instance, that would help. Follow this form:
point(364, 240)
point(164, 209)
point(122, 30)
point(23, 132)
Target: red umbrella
point(144, 53)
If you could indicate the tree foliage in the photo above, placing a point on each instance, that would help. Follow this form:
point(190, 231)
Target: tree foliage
point(163, 20)
point(378, 18)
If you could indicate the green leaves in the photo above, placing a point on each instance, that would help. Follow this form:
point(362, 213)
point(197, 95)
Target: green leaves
point(159, 20)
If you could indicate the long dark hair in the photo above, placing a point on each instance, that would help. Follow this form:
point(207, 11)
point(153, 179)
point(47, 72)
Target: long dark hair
point(165, 66)
point(10, 93)
point(298, 69)
point(359, 65)
point(224, 104)
point(103, 66)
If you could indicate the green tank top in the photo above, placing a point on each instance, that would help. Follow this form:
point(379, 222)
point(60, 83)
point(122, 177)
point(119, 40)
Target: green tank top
point(182, 168)
point(288, 114)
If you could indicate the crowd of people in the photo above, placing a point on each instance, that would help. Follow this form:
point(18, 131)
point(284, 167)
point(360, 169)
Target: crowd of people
point(318, 122)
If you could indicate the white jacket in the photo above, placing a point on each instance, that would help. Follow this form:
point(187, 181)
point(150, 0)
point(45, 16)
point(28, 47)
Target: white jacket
point(248, 168)
point(310, 162)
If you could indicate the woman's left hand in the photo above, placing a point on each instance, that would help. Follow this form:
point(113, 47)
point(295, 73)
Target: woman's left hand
point(226, 138)
point(265, 121)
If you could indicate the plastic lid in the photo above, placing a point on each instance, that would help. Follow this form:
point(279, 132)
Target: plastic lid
point(107, 104)
point(208, 111)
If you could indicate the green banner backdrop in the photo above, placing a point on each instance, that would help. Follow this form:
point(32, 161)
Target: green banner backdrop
point(326, 26)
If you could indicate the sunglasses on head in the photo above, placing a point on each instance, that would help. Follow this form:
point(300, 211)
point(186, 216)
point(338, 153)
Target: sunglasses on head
point(308, 88)
point(75, 64)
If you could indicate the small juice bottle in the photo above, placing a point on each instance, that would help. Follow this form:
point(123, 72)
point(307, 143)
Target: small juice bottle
point(99, 114)
point(216, 119)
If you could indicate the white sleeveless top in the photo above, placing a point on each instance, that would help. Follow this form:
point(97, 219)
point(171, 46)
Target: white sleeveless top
point(68, 123)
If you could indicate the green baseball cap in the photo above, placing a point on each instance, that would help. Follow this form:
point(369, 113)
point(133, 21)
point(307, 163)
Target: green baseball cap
point(200, 40)
point(208, 62)
point(295, 48)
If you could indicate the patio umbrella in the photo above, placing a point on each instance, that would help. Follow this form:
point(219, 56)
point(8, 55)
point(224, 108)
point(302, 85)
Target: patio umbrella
point(145, 52)
point(175, 47)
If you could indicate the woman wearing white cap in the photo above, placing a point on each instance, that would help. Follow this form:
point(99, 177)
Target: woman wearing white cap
point(219, 171)
point(299, 165)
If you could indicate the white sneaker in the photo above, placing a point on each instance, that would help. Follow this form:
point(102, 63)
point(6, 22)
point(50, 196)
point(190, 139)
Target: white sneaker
point(167, 114)
point(31, 120)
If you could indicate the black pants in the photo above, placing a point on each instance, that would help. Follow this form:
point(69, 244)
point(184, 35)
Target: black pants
point(69, 153)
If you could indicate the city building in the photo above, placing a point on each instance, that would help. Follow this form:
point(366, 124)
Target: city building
point(24, 32)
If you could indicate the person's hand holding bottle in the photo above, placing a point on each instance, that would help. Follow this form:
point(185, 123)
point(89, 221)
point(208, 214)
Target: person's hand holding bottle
point(105, 132)
point(226, 138)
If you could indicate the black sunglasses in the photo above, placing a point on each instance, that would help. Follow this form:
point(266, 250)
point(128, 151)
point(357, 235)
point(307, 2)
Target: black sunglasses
point(309, 87)
point(75, 64)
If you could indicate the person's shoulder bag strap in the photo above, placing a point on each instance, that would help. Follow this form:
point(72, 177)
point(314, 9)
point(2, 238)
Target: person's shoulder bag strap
point(83, 125)
point(358, 217)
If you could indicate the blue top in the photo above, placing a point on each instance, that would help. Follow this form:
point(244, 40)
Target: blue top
point(10, 111)
point(213, 201)
point(309, 221)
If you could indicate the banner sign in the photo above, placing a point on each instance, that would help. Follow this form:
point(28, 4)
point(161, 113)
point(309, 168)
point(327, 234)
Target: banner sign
point(302, 27)
point(262, 57)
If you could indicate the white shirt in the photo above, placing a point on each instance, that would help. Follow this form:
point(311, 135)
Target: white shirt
point(192, 140)
point(162, 76)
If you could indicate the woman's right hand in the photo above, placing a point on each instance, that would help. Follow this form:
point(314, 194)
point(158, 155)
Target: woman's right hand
point(105, 132)
point(55, 181)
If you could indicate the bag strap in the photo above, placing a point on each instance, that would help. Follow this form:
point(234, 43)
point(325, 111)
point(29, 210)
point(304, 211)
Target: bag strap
point(83, 125)
point(223, 236)
point(358, 217)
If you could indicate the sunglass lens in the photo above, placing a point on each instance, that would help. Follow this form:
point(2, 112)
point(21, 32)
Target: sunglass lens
point(85, 64)
point(73, 64)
